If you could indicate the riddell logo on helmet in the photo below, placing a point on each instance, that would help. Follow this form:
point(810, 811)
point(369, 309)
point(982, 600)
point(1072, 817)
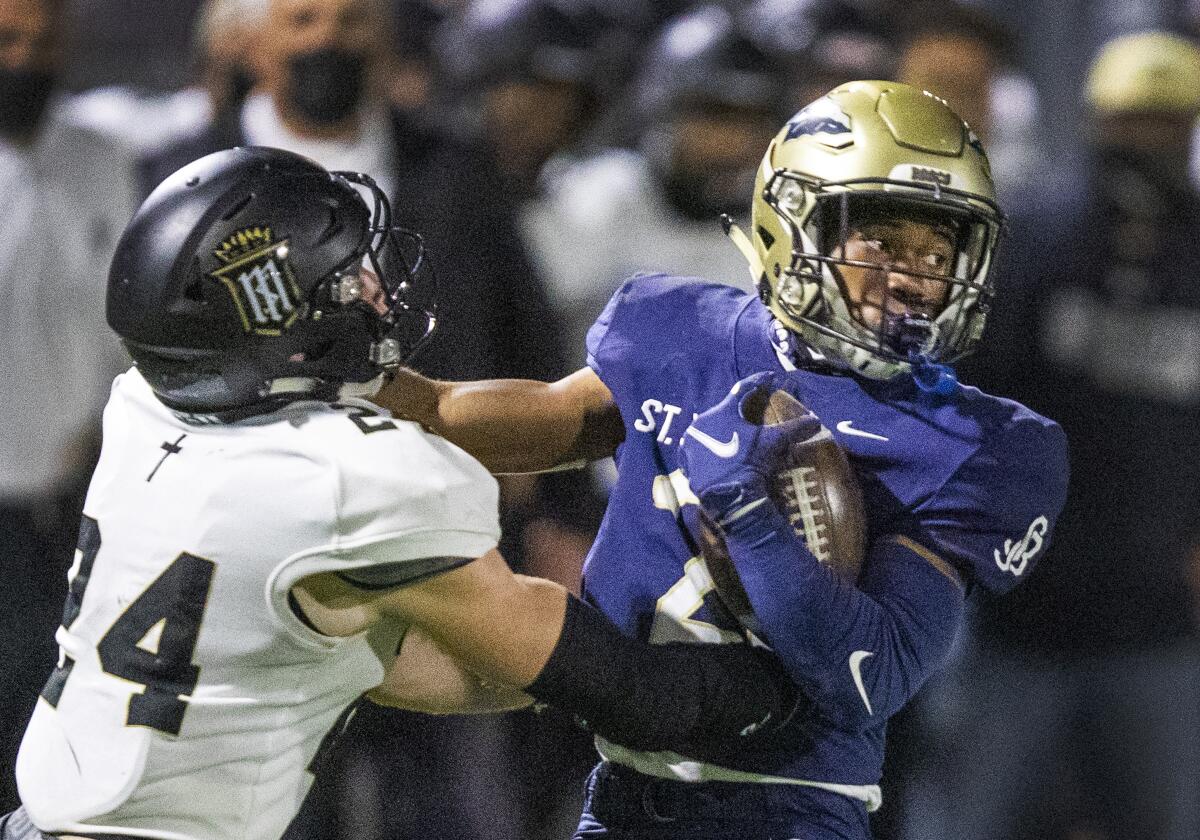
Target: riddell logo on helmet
point(935, 176)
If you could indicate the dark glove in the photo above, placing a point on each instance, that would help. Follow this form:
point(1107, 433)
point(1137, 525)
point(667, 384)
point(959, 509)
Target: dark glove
point(729, 460)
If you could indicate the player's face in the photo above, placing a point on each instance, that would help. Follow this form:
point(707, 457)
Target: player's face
point(372, 291)
point(28, 35)
point(903, 260)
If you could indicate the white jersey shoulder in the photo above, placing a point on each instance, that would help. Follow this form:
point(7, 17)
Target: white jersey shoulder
point(189, 699)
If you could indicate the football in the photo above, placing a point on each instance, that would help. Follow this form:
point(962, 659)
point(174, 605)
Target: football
point(816, 489)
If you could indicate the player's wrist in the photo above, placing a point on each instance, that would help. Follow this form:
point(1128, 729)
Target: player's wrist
point(727, 503)
point(754, 523)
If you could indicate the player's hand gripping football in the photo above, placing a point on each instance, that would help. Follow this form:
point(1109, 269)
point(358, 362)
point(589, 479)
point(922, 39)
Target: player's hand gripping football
point(730, 456)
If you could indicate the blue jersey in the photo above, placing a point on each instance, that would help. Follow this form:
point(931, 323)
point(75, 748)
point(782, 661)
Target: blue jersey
point(974, 479)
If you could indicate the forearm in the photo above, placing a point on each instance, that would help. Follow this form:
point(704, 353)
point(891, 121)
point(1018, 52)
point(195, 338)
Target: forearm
point(530, 633)
point(512, 425)
point(506, 424)
point(700, 700)
point(858, 653)
point(425, 678)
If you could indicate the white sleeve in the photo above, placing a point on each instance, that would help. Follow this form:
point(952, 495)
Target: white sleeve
point(401, 496)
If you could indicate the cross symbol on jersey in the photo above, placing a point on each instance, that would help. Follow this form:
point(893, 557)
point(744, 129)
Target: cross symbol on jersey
point(171, 449)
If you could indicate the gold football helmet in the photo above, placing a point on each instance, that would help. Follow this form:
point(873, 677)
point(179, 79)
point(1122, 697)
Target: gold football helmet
point(880, 148)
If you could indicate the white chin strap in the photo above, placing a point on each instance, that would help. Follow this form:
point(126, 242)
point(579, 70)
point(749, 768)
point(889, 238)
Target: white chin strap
point(743, 244)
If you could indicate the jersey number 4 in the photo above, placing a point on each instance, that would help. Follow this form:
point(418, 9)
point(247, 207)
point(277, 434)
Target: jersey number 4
point(152, 642)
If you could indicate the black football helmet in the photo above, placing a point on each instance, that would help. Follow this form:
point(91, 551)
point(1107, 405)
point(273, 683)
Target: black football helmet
point(254, 277)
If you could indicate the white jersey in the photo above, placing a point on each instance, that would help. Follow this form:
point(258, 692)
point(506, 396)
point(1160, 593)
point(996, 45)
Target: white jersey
point(189, 698)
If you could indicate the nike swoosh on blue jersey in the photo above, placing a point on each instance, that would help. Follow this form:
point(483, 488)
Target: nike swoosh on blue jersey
point(846, 428)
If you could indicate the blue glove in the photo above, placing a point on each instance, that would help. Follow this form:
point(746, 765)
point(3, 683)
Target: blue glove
point(729, 460)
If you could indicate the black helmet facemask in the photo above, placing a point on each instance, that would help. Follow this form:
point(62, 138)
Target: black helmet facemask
point(372, 314)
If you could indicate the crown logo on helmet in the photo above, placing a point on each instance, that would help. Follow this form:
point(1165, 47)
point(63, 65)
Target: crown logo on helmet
point(243, 242)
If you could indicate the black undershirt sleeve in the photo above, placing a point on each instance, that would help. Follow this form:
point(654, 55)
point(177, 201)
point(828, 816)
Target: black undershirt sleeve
point(697, 699)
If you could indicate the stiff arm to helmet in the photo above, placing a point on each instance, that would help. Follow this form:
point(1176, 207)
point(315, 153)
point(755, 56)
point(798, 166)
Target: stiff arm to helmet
point(887, 149)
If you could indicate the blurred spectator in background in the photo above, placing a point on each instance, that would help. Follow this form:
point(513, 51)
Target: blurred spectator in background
point(529, 76)
point(324, 92)
point(411, 76)
point(67, 195)
point(824, 43)
point(1078, 701)
point(221, 75)
point(706, 103)
point(967, 57)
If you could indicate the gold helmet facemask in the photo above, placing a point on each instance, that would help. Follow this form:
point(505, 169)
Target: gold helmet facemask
point(873, 150)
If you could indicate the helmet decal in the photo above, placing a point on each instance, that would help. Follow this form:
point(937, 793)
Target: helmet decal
point(260, 280)
point(822, 117)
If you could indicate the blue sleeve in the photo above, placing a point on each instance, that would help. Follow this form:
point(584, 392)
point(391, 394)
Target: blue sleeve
point(858, 653)
point(994, 517)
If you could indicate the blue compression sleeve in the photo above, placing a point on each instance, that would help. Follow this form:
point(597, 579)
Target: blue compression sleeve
point(858, 653)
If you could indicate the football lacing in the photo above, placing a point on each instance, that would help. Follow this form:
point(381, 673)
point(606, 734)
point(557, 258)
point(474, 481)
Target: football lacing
point(804, 506)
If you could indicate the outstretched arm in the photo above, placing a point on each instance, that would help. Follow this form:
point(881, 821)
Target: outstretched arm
point(513, 425)
point(531, 634)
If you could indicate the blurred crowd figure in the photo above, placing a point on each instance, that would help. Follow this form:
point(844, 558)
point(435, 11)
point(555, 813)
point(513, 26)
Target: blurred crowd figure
point(548, 149)
point(220, 73)
point(67, 194)
point(971, 60)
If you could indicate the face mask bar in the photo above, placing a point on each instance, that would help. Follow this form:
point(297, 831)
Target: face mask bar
point(397, 257)
point(897, 337)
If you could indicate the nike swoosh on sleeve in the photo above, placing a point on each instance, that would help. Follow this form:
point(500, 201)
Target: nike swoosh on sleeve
point(856, 660)
point(722, 449)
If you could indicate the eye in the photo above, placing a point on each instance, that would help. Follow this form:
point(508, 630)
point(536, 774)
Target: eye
point(878, 245)
point(936, 261)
